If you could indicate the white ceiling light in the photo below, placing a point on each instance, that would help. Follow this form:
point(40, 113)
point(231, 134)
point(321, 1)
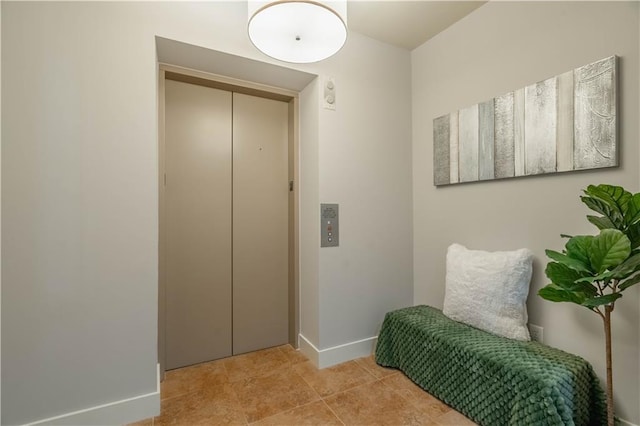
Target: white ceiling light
point(299, 31)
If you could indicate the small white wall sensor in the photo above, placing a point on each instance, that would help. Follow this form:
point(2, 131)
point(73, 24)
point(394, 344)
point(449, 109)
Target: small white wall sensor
point(329, 93)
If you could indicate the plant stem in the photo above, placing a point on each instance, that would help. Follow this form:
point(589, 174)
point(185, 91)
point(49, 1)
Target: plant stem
point(607, 333)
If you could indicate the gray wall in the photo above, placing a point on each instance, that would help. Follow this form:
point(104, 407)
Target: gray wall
point(365, 167)
point(498, 48)
point(79, 215)
point(0, 201)
point(309, 216)
point(79, 194)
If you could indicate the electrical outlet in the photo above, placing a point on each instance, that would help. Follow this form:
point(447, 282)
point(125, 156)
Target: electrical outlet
point(536, 332)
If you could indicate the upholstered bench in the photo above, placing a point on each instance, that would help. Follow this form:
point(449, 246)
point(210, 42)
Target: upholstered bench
point(491, 379)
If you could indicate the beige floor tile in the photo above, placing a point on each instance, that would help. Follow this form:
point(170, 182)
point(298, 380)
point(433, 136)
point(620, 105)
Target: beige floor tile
point(315, 413)
point(453, 418)
point(279, 386)
point(190, 379)
point(294, 356)
point(270, 394)
point(212, 406)
point(333, 379)
point(376, 404)
point(417, 396)
point(369, 364)
point(253, 364)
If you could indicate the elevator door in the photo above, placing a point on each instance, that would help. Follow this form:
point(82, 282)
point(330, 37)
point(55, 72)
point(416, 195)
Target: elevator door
point(198, 223)
point(226, 226)
point(260, 223)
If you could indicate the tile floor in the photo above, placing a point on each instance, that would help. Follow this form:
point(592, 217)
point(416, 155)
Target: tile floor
point(279, 386)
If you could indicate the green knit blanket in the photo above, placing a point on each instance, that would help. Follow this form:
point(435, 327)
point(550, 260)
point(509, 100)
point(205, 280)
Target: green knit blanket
point(492, 380)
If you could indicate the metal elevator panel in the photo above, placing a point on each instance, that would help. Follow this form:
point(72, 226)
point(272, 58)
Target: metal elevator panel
point(260, 223)
point(329, 225)
point(227, 175)
point(198, 209)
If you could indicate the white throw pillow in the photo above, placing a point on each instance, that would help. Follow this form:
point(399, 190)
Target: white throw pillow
point(488, 290)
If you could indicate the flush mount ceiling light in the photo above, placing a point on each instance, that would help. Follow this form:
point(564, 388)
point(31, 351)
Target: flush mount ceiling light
point(299, 31)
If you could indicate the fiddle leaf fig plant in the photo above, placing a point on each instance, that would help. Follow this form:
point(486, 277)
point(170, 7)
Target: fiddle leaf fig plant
point(593, 270)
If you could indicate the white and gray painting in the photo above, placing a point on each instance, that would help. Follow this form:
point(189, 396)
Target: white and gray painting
point(564, 123)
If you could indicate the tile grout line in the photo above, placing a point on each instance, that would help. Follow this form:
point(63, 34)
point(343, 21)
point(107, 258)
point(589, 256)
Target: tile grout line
point(334, 413)
point(364, 370)
point(240, 406)
point(244, 413)
point(306, 382)
point(374, 379)
point(293, 370)
point(322, 398)
point(289, 364)
point(371, 370)
point(343, 392)
point(414, 404)
point(286, 411)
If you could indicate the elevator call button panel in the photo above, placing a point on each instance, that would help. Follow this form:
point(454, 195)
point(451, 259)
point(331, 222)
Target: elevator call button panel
point(329, 227)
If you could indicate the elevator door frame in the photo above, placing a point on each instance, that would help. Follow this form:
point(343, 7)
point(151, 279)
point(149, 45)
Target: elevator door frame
point(167, 71)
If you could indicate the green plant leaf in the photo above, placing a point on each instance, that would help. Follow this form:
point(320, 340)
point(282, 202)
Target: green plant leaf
point(578, 248)
point(554, 293)
point(608, 261)
point(594, 302)
point(596, 205)
point(609, 249)
point(615, 196)
point(607, 200)
point(632, 214)
point(569, 279)
point(629, 282)
point(604, 277)
point(601, 222)
point(633, 233)
point(572, 263)
point(627, 267)
point(561, 274)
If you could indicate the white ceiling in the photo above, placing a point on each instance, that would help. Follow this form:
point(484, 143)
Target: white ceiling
point(406, 24)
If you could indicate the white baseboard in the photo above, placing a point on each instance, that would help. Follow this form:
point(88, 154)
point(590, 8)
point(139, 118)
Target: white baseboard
point(114, 413)
point(308, 349)
point(323, 358)
point(624, 422)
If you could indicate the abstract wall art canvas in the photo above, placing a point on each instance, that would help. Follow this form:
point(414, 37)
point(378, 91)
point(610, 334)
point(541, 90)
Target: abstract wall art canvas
point(563, 123)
